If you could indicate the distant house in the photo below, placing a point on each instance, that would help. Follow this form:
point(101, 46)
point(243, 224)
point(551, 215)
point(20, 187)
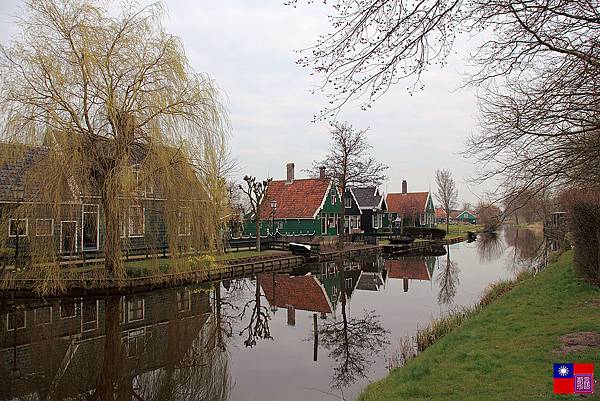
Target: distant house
point(352, 213)
point(466, 217)
point(411, 208)
point(373, 207)
point(440, 215)
point(303, 206)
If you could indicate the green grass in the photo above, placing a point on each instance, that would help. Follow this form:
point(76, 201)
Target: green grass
point(459, 230)
point(505, 351)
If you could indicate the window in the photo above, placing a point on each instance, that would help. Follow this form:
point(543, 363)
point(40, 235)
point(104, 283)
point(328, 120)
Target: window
point(67, 309)
point(90, 225)
point(377, 220)
point(136, 221)
point(348, 202)
point(42, 315)
point(135, 309)
point(333, 198)
point(16, 319)
point(44, 227)
point(89, 315)
point(184, 302)
point(18, 227)
point(184, 217)
point(279, 225)
point(135, 342)
point(355, 222)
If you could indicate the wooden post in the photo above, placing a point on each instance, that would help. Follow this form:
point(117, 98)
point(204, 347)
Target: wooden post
point(316, 336)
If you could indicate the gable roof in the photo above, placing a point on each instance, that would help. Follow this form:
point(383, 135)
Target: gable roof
point(410, 268)
point(440, 213)
point(300, 199)
point(459, 214)
point(367, 197)
point(408, 203)
point(302, 292)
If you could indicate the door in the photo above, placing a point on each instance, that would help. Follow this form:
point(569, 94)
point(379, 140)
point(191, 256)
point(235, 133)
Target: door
point(68, 237)
point(90, 228)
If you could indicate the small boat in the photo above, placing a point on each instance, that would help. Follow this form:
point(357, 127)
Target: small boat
point(400, 240)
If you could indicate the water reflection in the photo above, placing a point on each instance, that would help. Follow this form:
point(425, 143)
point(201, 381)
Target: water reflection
point(529, 249)
point(447, 279)
point(244, 339)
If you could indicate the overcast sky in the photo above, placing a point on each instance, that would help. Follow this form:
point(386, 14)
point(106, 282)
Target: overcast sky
point(248, 48)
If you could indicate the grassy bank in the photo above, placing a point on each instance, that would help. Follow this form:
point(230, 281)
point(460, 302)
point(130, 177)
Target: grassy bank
point(505, 351)
point(459, 230)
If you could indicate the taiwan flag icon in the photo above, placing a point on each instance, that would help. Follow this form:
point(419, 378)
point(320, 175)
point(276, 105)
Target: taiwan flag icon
point(573, 378)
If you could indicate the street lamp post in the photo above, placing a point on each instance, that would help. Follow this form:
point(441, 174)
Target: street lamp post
point(273, 209)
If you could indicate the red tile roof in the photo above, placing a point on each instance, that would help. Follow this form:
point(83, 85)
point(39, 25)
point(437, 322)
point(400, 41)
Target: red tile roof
point(406, 204)
point(300, 199)
point(303, 292)
point(440, 213)
point(411, 268)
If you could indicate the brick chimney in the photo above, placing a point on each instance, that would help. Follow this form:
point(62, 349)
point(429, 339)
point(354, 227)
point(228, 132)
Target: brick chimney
point(404, 187)
point(290, 173)
point(322, 172)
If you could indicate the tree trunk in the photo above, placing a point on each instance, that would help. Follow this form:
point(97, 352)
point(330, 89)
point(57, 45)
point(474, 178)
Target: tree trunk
point(341, 221)
point(112, 221)
point(257, 229)
point(447, 220)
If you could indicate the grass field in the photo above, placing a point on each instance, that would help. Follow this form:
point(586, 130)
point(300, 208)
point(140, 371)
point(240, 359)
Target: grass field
point(459, 230)
point(506, 351)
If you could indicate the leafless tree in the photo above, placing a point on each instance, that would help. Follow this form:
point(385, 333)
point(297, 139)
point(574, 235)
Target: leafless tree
point(489, 215)
point(255, 192)
point(349, 162)
point(537, 74)
point(446, 193)
point(447, 279)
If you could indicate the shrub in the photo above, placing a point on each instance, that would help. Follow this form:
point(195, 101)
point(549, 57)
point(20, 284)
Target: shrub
point(585, 228)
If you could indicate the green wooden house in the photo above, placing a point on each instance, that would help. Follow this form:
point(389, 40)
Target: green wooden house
point(308, 206)
point(409, 209)
point(466, 217)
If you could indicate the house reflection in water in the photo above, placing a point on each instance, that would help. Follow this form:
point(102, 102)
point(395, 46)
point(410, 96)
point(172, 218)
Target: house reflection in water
point(405, 269)
point(109, 347)
point(302, 292)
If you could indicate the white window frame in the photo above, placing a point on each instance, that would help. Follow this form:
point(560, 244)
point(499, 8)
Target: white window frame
point(187, 298)
point(20, 327)
point(348, 202)
point(130, 221)
point(83, 322)
point(35, 318)
point(129, 310)
point(60, 310)
point(37, 234)
point(333, 198)
point(20, 235)
point(97, 212)
point(61, 234)
point(188, 223)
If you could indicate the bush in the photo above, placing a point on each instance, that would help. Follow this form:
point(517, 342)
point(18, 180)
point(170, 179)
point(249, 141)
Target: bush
point(424, 232)
point(585, 226)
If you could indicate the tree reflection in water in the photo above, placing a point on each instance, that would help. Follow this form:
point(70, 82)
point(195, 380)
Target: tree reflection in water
point(258, 319)
point(447, 279)
point(529, 249)
point(155, 346)
point(353, 342)
point(489, 246)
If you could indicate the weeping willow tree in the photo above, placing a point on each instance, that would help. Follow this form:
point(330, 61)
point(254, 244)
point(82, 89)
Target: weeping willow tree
point(121, 117)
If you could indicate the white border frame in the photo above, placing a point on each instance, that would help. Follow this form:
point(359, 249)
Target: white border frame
point(24, 321)
point(26, 228)
point(136, 298)
point(143, 221)
point(35, 322)
point(83, 212)
point(60, 309)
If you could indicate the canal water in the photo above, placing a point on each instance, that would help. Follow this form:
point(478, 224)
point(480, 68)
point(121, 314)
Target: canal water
point(321, 333)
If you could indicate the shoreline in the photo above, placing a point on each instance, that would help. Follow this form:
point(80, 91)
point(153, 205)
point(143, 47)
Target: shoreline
point(519, 332)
